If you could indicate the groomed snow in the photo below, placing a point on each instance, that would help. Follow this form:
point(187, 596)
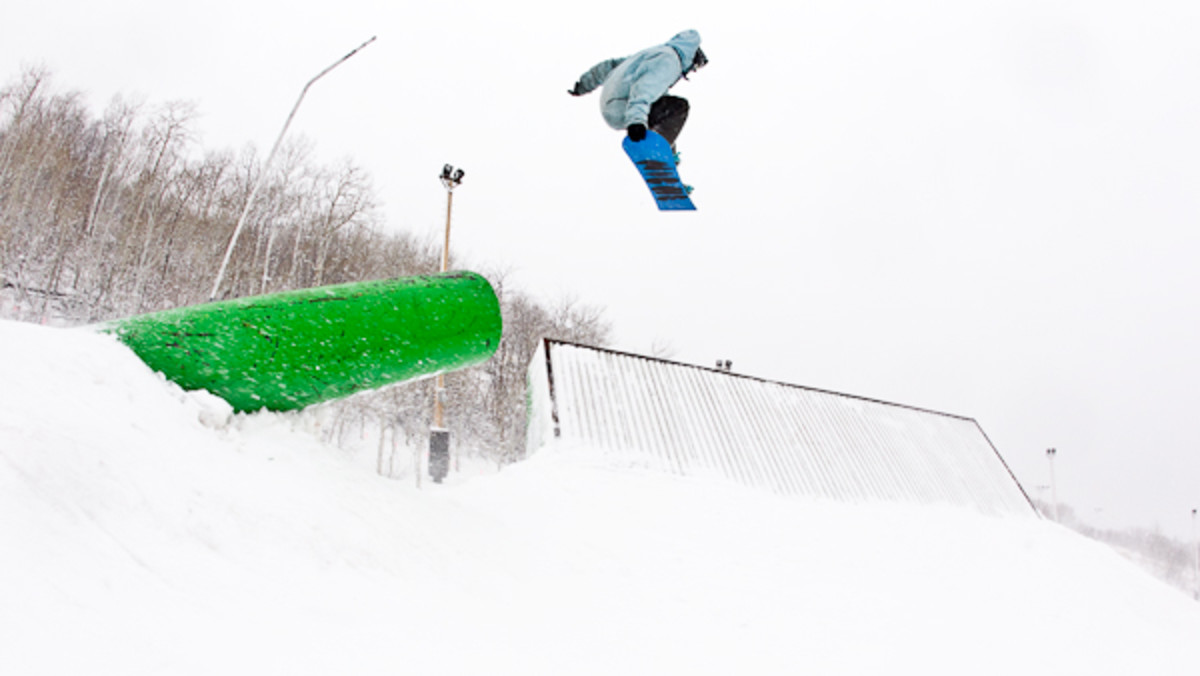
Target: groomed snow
point(144, 530)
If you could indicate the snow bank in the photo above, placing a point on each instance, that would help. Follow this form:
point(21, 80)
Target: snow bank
point(148, 530)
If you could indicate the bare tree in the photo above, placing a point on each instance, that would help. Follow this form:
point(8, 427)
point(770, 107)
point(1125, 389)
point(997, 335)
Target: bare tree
point(107, 217)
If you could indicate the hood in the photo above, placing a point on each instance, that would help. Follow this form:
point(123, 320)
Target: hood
point(686, 44)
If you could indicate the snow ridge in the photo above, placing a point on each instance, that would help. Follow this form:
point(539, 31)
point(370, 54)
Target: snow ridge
point(148, 530)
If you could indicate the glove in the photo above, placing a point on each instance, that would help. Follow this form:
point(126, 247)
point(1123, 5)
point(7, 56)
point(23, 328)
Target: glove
point(574, 91)
point(637, 132)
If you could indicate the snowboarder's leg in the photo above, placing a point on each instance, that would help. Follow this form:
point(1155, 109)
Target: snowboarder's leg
point(667, 116)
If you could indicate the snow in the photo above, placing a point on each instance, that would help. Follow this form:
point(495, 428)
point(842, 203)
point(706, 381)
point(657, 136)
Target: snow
point(145, 530)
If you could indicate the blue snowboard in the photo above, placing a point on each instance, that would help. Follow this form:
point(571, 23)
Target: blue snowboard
point(653, 158)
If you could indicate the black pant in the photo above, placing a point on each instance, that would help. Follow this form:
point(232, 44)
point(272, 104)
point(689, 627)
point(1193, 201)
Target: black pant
point(667, 116)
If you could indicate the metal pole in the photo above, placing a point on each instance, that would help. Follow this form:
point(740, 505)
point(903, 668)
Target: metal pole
point(446, 244)
point(1196, 540)
point(1050, 453)
point(438, 406)
point(237, 230)
point(439, 436)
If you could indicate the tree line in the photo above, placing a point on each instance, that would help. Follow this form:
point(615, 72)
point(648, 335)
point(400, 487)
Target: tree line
point(1170, 560)
point(123, 213)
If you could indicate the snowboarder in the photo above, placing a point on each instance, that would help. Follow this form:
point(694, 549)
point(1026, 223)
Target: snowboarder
point(635, 96)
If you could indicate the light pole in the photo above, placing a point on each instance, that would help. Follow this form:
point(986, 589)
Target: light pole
point(451, 178)
point(439, 436)
point(237, 230)
point(1050, 453)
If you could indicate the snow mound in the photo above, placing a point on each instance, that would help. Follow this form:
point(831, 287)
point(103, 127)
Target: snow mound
point(148, 530)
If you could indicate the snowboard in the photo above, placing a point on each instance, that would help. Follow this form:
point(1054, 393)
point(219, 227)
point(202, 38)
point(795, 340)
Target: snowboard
point(654, 160)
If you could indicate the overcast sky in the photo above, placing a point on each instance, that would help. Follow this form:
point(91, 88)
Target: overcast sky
point(987, 208)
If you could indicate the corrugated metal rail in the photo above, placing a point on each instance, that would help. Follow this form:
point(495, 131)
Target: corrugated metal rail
point(783, 438)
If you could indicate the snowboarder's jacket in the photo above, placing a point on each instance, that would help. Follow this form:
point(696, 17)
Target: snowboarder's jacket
point(634, 82)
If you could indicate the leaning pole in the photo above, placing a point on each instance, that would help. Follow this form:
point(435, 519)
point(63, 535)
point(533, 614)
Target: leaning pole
point(241, 222)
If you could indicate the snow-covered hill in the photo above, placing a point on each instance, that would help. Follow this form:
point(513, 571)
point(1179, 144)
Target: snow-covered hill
point(144, 530)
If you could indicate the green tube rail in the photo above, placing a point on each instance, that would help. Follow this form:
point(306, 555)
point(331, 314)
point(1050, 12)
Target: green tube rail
point(289, 350)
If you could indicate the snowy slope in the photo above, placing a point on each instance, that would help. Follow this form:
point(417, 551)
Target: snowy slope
point(144, 530)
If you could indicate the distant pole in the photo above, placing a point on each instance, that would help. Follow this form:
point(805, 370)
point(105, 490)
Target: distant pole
point(237, 230)
point(1196, 540)
point(439, 438)
point(1050, 453)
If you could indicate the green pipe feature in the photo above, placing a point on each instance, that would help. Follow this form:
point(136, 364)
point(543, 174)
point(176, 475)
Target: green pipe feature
point(288, 350)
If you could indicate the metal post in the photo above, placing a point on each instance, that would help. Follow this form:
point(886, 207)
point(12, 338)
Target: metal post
point(1196, 541)
point(449, 208)
point(439, 439)
point(451, 178)
point(237, 230)
point(1050, 453)
point(416, 458)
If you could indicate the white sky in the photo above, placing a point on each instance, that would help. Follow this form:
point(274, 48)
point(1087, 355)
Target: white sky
point(981, 207)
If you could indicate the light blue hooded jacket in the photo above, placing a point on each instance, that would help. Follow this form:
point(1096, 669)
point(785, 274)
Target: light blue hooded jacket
point(634, 82)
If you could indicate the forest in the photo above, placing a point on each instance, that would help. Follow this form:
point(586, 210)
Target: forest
point(110, 214)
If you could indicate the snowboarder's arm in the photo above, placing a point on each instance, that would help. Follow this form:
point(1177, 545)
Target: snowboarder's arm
point(595, 76)
point(654, 76)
